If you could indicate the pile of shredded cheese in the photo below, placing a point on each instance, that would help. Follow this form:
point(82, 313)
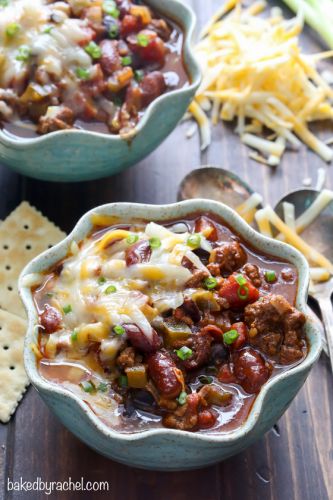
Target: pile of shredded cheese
point(321, 269)
point(254, 71)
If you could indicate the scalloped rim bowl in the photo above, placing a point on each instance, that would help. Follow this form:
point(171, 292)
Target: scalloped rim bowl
point(62, 155)
point(168, 448)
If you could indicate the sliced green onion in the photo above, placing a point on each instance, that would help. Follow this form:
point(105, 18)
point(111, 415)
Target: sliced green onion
point(101, 280)
point(48, 30)
point(110, 8)
point(270, 276)
point(240, 279)
point(110, 289)
point(184, 353)
point(132, 238)
point(74, 336)
point(114, 31)
point(4, 3)
point(155, 242)
point(243, 292)
point(138, 75)
point(122, 381)
point(182, 398)
point(88, 386)
point(117, 100)
point(230, 337)
point(12, 29)
point(82, 73)
point(142, 39)
point(103, 387)
point(24, 53)
point(205, 379)
point(49, 294)
point(126, 61)
point(67, 309)
point(93, 50)
point(210, 283)
point(119, 330)
point(194, 240)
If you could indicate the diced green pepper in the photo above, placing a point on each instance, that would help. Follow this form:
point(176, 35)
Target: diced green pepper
point(136, 377)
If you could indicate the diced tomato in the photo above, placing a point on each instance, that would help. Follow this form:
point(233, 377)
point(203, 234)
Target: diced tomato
point(206, 226)
point(153, 52)
point(225, 374)
point(238, 295)
point(130, 24)
point(206, 419)
point(241, 328)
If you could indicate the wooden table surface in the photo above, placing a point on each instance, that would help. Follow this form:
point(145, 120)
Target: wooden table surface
point(292, 461)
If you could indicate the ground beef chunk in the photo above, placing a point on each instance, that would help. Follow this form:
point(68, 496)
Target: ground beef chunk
point(50, 319)
point(59, 118)
point(186, 416)
point(252, 272)
point(188, 312)
point(226, 259)
point(126, 358)
point(197, 278)
point(276, 328)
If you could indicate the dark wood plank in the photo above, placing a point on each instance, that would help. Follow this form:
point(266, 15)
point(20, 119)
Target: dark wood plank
point(293, 461)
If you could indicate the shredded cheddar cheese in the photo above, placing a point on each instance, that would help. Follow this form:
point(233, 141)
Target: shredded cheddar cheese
point(255, 72)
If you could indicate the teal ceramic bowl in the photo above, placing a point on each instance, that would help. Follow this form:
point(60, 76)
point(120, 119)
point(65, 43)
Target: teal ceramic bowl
point(78, 155)
point(169, 449)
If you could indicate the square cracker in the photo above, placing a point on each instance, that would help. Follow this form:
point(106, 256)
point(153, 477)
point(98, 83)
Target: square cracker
point(12, 373)
point(24, 234)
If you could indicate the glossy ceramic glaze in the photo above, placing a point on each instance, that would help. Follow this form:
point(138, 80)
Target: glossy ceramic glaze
point(78, 155)
point(169, 449)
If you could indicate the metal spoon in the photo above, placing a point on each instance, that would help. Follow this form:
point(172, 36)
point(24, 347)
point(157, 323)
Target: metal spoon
point(221, 185)
point(319, 236)
point(214, 184)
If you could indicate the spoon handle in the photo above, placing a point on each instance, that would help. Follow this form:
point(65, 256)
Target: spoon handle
point(325, 305)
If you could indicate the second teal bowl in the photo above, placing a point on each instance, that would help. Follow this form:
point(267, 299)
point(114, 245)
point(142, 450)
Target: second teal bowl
point(78, 155)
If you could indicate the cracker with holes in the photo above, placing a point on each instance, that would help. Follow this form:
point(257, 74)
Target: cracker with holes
point(24, 234)
point(12, 373)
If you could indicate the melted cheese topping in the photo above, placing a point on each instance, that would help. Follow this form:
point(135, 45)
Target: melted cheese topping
point(96, 290)
point(54, 46)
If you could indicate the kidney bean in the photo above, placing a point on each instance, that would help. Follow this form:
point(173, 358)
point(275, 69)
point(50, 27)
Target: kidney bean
point(206, 419)
point(165, 374)
point(206, 226)
point(218, 354)
point(138, 253)
point(214, 331)
point(225, 374)
point(50, 319)
point(152, 86)
point(188, 312)
point(250, 370)
point(139, 340)
point(110, 58)
point(200, 344)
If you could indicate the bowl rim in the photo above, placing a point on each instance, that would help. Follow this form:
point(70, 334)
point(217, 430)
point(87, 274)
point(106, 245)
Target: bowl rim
point(159, 213)
point(192, 68)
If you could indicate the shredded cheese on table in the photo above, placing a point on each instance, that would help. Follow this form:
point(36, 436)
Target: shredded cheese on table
point(254, 71)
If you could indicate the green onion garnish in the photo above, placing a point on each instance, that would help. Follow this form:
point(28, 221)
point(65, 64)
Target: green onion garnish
point(12, 29)
point(194, 240)
point(110, 8)
point(49, 294)
point(93, 50)
point(182, 398)
point(122, 381)
point(74, 336)
point(205, 379)
point(138, 75)
point(230, 337)
point(142, 39)
point(210, 283)
point(114, 31)
point(101, 280)
point(67, 309)
point(243, 292)
point(184, 352)
point(82, 73)
point(126, 61)
point(270, 276)
point(103, 387)
point(110, 289)
point(155, 242)
point(132, 238)
point(88, 386)
point(4, 3)
point(23, 54)
point(119, 330)
point(240, 279)
point(48, 30)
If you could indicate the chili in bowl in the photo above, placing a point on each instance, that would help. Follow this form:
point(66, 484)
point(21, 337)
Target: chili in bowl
point(92, 67)
point(189, 327)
